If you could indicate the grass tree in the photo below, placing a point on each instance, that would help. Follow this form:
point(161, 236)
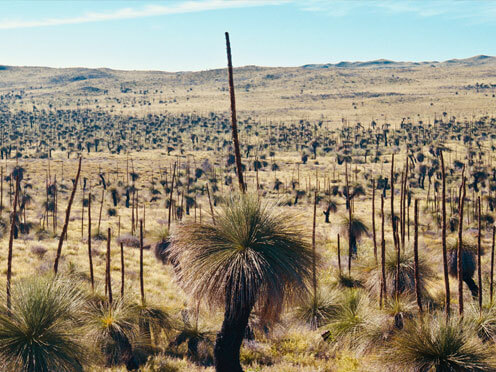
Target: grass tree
point(436, 344)
point(113, 329)
point(468, 262)
point(253, 258)
point(41, 331)
point(406, 276)
point(353, 231)
point(354, 324)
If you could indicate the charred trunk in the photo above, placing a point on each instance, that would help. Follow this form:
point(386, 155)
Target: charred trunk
point(229, 339)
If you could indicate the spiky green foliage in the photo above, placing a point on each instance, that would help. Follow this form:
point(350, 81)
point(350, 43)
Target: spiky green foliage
point(347, 281)
point(407, 273)
point(353, 232)
point(484, 322)
point(41, 332)
point(113, 329)
point(319, 310)
point(441, 345)
point(253, 255)
point(355, 324)
point(197, 338)
point(152, 321)
point(358, 227)
point(331, 204)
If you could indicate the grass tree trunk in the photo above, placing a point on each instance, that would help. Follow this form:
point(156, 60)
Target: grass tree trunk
point(443, 234)
point(67, 216)
point(229, 340)
point(234, 125)
point(11, 242)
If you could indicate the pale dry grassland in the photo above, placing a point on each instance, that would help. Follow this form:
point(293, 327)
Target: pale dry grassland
point(337, 96)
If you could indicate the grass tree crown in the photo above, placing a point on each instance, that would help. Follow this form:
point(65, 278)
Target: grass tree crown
point(252, 256)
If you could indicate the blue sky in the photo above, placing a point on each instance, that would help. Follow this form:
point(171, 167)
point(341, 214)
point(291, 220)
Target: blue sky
point(189, 35)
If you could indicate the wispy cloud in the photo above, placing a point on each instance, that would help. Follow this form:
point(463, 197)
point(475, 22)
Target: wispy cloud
point(145, 11)
point(476, 10)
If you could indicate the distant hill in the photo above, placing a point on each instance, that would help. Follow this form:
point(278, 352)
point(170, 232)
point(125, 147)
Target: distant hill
point(385, 63)
point(362, 90)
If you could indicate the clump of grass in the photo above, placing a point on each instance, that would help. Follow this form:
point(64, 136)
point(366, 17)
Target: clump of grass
point(407, 273)
point(43, 234)
point(38, 250)
point(347, 281)
point(99, 235)
point(42, 332)
point(113, 329)
point(435, 343)
point(129, 240)
point(484, 322)
point(355, 324)
point(162, 246)
point(197, 338)
point(319, 310)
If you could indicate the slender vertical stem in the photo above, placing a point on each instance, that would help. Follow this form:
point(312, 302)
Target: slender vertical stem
point(67, 216)
point(170, 197)
point(373, 221)
point(100, 213)
point(383, 251)
point(11, 241)
point(445, 254)
point(122, 270)
point(402, 190)
point(395, 235)
point(339, 255)
point(133, 223)
point(460, 245)
point(350, 246)
point(211, 206)
point(314, 258)
point(234, 125)
point(82, 216)
point(403, 219)
point(108, 276)
point(1, 191)
point(142, 284)
point(90, 256)
point(415, 253)
point(492, 265)
point(479, 267)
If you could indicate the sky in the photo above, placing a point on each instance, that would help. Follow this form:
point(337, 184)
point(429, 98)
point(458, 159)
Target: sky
point(184, 35)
